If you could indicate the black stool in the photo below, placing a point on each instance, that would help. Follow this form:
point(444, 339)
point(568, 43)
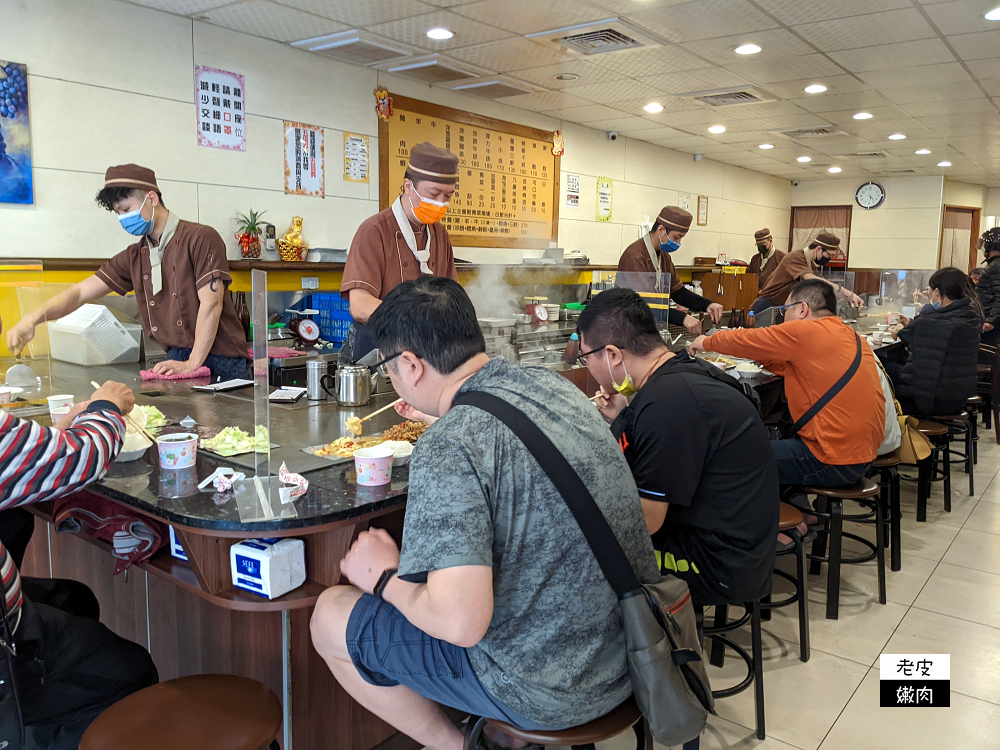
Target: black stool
point(788, 524)
point(831, 500)
point(958, 425)
point(755, 663)
point(973, 405)
point(927, 470)
point(885, 466)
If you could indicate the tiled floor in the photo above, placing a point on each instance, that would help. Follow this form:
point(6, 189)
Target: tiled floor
point(946, 599)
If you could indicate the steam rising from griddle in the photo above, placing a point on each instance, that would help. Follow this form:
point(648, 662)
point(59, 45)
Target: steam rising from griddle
point(491, 295)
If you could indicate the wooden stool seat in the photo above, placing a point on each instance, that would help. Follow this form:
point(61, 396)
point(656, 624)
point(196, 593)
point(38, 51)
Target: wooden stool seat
point(790, 517)
point(889, 459)
point(974, 400)
point(932, 429)
point(860, 490)
point(595, 731)
point(201, 712)
point(950, 417)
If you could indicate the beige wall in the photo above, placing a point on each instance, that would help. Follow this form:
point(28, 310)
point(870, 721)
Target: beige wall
point(992, 204)
point(964, 194)
point(111, 82)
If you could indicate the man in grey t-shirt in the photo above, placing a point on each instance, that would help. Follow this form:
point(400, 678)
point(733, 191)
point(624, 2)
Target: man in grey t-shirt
point(498, 607)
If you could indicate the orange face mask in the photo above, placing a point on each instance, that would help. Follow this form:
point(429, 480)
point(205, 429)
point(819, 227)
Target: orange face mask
point(428, 211)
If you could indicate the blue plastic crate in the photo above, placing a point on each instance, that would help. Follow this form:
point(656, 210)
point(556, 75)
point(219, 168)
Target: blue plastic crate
point(334, 324)
point(330, 301)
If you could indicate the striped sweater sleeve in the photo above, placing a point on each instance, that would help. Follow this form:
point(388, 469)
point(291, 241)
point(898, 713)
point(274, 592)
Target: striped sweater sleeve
point(42, 463)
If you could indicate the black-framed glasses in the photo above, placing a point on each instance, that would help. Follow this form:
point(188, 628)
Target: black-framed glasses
point(381, 366)
point(582, 358)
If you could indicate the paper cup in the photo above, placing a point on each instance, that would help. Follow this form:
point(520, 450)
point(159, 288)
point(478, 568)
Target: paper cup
point(373, 465)
point(59, 402)
point(56, 414)
point(877, 336)
point(177, 451)
point(7, 393)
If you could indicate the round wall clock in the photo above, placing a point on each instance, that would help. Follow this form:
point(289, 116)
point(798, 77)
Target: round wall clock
point(870, 195)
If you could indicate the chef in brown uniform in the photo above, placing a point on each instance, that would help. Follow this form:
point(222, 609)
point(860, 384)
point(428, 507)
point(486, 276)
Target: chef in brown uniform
point(799, 265)
point(179, 274)
point(767, 258)
point(636, 269)
point(400, 243)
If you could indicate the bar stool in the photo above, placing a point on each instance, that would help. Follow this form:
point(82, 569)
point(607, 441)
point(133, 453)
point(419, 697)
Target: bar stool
point(927, 471)
point(973, 405)
point(863, 492)
point(200, 712)
point(754, 662)
point(788, 524)
point(957, 424)
point(579, 738)
point(885, 466)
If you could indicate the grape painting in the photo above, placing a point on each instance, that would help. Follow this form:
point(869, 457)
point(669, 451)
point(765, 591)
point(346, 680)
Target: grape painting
point(15, 135)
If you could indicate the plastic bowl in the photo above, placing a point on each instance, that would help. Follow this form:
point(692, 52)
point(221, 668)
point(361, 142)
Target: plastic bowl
point(177, 451)
point(401, 451)
point(373, 465)
point(135, 447)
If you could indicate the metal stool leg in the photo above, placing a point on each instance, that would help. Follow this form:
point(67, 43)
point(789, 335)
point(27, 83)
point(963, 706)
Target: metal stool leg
point(802, 592)
point(758, 667)
point(880, 547)
point(895, 523)
point(819, 546)
point(924, 471)
point(947, 474)
point(833, 567)
point(718, 655)
point(969, 457)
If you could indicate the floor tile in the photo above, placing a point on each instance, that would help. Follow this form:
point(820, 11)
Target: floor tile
point(969, 724)
point(975, 656)
point(962, 506)
point(975, 549)
point(961, 592)
point(986, 517)
point(726, 735)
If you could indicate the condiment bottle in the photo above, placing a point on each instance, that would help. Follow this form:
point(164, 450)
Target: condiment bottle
point(572, 348)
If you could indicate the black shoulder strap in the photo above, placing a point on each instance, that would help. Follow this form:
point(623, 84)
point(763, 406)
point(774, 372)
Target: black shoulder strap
point(700, 367)
point(828, 396)
point(609, 553)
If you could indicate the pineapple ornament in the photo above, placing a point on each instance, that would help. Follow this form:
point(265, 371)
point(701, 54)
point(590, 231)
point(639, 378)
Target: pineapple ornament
point(249, 232)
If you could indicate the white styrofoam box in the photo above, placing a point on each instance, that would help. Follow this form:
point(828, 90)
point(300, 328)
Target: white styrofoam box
point(175, 546)
point(91, 335)
point(268, 567)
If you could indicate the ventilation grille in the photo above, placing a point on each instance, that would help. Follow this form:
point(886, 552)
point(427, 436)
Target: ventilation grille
point(596, 37)
point(492, 89)
point(599, 42)
point(898, 171)
point(730, 96)
point(431, 71)
point(867, 155)
point(356, 47)
point(824, 131)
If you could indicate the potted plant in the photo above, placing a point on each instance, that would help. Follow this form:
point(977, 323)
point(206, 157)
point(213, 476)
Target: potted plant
point(249, 232)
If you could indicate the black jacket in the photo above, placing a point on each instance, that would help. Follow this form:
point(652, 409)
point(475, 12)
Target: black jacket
point(988, 290)
point(940, 370)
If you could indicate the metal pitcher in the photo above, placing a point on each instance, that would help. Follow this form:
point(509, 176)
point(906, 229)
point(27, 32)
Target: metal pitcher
point(355, 384)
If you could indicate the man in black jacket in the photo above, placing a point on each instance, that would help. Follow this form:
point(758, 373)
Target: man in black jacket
point(988, 286)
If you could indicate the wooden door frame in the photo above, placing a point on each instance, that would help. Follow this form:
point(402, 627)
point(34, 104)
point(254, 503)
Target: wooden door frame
point(977, 215)
point(850, 219)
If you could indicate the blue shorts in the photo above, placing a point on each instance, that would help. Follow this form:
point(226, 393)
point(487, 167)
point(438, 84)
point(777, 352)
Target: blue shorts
point(388, 651)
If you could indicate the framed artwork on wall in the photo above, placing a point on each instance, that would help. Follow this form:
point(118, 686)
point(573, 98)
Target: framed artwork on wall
point(702, 210)
point(15, 135)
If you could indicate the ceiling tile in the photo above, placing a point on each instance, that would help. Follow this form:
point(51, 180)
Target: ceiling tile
point(654, 133)
point(867, 31)
point(962, 16)
point(845, 117)
point(445, 3)
point(786, 69)
point(181, 7)
point(587, 73)
point(987, 68)
point(774, 44)
point(668, 102)
point(529, 16)
point(650, 61)
point(511, 54)
point(952, 72)
point(787, 121)
point(413, 30)
point(965, 119)
point(856, 100)
point(360, 12)
point(792, 12)
point(838, 84)
point(265, 19)
point(992, 85)
point(691, 141)
point(584, 114)
point(605, 93)
point(620, 123)
point(702, 79)
point(702, 19)
point(544, 101)
point(958, 106)
point(933, 93)
point(982, 44)
point(899, 55)
point(630, 6)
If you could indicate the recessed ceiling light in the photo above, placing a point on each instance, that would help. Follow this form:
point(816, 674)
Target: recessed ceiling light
point(834, 170)
point(863, 116)
point(747, 49)
point(440, 34)
point(717, 129)
point(897, 137)
point(922, 151)
point(565, 76)
point(944, 163)
point(766, 146)
point(993, 15)
point(653, 107)
point(804, 159)
point(815, 88)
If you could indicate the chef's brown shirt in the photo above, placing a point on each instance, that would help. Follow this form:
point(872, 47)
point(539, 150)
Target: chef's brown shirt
point(196, 256)
point(635, 260)
point(763, 274)
point(379, 258)
point(788, 273)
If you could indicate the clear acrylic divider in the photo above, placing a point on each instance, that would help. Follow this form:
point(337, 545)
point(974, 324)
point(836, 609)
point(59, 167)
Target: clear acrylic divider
point(23, 290)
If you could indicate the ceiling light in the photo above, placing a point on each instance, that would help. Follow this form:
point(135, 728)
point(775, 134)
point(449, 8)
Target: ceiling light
point(766, 146)
point(747, 49)
point(944, 163)
point(815, 88)
point(834, 170)
point(993, 15)
point(863, 116)
point(717, 129)
point(922, 151)
point(653, 108)
point(897, 137)
point(440, 34)
point(804, 159)
point(565, 76)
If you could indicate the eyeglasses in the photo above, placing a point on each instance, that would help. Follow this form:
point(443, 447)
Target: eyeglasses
point(381, 366)
point(582, 358)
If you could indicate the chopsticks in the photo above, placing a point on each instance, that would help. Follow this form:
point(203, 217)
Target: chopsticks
point(146, 433)
point(384, 408)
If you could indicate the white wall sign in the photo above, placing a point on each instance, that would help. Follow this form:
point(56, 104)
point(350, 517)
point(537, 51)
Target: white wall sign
point(605, 187)
point(304, 162)
point(355, 157)
point(573, 190)
point(684, 201)
point(221, 98)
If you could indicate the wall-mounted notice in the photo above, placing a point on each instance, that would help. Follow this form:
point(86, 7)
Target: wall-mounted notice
point(355, 157)
point(304, 161)
point(221, 98)
point(573, 190)
point(684, 201)
point(604, 190)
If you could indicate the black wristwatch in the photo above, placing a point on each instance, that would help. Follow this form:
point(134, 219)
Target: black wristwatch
point(383, 581)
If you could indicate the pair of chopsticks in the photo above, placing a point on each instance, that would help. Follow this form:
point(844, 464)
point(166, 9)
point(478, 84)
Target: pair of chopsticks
point(384, 408)
point(146, 433)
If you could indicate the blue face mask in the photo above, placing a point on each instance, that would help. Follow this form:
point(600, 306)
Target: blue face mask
point(134, 224)
point(670, 246)
point(936, 304)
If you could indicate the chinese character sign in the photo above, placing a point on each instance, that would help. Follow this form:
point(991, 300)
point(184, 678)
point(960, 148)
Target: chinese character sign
point(605, 186)
point(355, 157)
point(915, 680)
point(220, 97)
point(304, 160)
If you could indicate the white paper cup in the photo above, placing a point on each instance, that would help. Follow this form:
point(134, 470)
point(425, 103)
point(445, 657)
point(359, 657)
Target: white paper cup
point(56, 414)
point(373, 466)
point(60, 402)
point(7, 393)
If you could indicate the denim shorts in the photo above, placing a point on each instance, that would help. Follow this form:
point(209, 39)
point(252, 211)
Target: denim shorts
point(388, 651)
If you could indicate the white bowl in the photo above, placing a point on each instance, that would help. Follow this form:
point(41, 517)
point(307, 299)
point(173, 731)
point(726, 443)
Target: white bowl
point(135, 447)
point(747, 369)
point(401, 451)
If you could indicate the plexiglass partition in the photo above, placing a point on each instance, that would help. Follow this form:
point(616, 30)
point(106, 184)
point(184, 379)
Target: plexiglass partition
point(26, 368)
point(903, 291)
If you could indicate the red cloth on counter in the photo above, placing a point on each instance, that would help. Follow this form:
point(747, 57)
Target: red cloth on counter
point(134, 537)
point(280, 352)
point(201, 372)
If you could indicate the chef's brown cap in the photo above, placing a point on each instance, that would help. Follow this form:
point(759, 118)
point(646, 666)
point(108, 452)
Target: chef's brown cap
point(762, 234)
point(827, 240)
point(428, 162)
point(675, 218)
point(131, 176)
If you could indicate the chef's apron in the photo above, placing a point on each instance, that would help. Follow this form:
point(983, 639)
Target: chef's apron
point(357, 344)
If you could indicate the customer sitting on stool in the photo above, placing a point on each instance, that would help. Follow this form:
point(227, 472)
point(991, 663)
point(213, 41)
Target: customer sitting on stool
point(813, 349)
point(498, 608)
point(696, 446)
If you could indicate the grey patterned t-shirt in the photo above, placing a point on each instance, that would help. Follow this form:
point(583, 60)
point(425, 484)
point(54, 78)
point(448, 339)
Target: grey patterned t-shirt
point(555, 650)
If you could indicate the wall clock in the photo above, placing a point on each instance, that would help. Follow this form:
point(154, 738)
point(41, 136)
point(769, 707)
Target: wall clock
point(870, 195)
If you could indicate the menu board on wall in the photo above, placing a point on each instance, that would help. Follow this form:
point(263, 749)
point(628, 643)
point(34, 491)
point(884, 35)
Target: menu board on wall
point(508, 184)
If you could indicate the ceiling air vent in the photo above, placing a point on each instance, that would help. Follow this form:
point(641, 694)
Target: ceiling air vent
point(432, 69)
point(821, 131)
point(897, 171)
point(358, 47)
point(596, 37)
point(729, 96)
point(866, 155)
point(491, 88)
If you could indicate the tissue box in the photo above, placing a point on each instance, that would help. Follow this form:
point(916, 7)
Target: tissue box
point(268, 567)
point(175, 546)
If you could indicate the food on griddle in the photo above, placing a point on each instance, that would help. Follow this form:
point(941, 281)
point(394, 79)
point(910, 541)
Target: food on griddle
point(409, 431)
